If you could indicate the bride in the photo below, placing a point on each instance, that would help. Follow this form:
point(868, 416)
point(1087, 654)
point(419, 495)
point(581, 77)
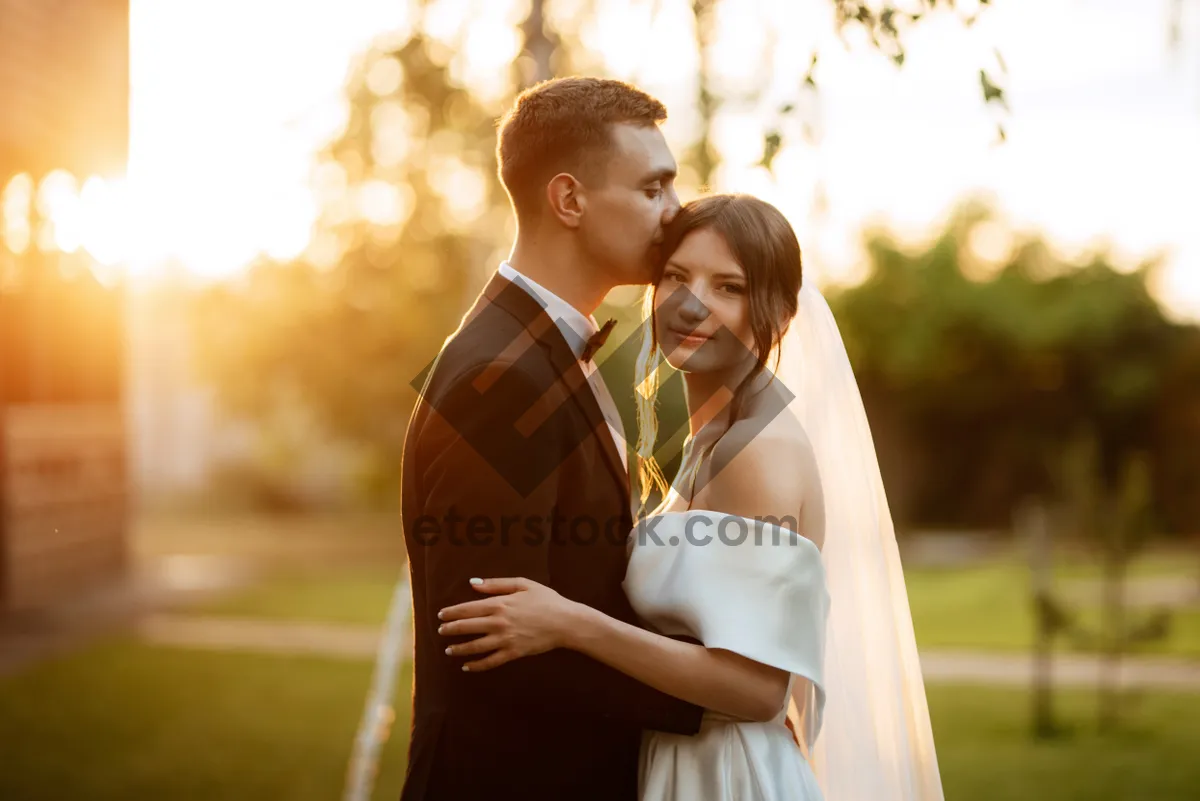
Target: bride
point(774, 548)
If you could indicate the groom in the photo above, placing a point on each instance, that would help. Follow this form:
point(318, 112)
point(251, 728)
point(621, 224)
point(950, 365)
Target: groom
point(515, 461)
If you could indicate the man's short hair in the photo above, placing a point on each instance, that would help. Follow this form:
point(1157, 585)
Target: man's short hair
point(564, 125)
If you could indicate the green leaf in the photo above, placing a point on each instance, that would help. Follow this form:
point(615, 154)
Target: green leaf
point(990, 90)
point(772, 142)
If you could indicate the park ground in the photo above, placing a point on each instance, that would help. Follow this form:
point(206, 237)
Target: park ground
point(254, 686)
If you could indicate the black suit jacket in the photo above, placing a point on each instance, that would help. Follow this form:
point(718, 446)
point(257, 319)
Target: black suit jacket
point(509, 470)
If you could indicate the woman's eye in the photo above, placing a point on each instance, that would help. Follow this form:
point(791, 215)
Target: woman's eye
point(653, 191)
point(733, 289)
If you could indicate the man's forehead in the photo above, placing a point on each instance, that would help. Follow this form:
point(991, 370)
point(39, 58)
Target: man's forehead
point(641, 148)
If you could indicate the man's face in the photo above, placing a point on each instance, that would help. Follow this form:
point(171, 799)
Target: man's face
point(625, 214)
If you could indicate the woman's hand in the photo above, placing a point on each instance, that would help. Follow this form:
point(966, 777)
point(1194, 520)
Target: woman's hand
point(525, 618)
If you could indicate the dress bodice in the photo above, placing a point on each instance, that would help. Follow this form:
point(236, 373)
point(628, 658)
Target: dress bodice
point(753, 588)
point(734, 583)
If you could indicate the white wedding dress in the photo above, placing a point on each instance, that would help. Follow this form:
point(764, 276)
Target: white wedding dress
point(837, 619)
point(757, 590)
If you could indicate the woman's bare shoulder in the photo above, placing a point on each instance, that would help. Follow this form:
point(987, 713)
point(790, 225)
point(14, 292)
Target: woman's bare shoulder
point(760, 471)
point(760, 443)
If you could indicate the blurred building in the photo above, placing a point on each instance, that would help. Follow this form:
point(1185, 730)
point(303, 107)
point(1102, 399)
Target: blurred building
point(64, 116)
point(178, 436)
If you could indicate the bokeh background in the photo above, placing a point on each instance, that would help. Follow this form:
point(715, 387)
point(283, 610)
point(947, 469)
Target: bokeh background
point(234, 233)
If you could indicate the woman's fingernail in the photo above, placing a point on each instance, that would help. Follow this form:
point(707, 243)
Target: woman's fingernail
point(466, 668)
point(441, 629)
point(476, 581)
point(450, 651)
point(440, 616)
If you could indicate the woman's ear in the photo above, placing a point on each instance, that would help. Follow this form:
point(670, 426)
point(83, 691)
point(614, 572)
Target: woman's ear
point(566, 197)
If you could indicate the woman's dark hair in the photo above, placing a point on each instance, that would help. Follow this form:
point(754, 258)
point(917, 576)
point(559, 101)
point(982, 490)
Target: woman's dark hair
point(764, 244)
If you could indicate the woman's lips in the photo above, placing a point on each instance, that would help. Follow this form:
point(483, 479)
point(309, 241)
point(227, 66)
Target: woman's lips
point(692, 340)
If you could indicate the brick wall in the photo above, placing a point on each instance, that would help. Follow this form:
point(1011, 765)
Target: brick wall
point(63, 501)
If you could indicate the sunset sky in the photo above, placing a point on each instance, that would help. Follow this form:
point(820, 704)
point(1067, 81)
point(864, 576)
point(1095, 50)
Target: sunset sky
point(230, 101)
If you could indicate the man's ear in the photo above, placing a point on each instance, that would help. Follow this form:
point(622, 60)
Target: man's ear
point(566, 197)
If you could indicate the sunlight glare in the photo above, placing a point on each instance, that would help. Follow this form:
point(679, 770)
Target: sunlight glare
point(493, 43)
point(443, 19)
point(390, 134)
point(222, 148)
point(17, 203)
point(58, 210)
point(284, 238)
point(383, 203)
point(104, 223)
point(324, 250)
point(990, 246)
point(463, 188)
point(384, 77)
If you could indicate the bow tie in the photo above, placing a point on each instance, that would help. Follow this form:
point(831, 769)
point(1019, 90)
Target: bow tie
point(596, 341)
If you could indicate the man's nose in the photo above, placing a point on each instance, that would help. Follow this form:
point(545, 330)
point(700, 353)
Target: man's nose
point(672, 206)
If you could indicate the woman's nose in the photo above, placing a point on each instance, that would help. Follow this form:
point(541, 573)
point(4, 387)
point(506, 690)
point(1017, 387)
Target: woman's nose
point(691, 307)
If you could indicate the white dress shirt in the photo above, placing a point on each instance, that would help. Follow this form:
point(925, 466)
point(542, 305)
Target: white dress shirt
point(576, 328)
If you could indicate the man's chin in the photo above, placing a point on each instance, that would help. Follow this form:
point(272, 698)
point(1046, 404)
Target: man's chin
point(638, 276)
point(633, 273)
point(651, 266)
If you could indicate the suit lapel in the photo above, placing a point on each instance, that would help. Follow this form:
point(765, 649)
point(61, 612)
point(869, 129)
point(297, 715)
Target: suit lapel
point(566, 365)
point(543, 330)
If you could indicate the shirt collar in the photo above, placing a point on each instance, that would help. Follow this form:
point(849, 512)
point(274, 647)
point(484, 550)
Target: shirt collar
point(576, 327)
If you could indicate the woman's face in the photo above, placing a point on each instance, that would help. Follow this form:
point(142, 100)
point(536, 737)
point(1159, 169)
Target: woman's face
point(702, 307)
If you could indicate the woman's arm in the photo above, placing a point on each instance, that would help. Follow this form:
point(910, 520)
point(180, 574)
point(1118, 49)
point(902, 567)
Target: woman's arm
point(527, 618)
point(719, 680)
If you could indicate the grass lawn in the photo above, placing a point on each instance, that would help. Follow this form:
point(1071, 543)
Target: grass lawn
point(302, 541)
point(985, 752)
point(978, 607)
point(340, 568)
point(125, 722)
point(989, 607)
point(341, 596)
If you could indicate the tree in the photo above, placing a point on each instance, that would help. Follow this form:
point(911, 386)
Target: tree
point(994, 371)
point(539, 48)
point(411, 213)
point(885, 25)
point(411, 209)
